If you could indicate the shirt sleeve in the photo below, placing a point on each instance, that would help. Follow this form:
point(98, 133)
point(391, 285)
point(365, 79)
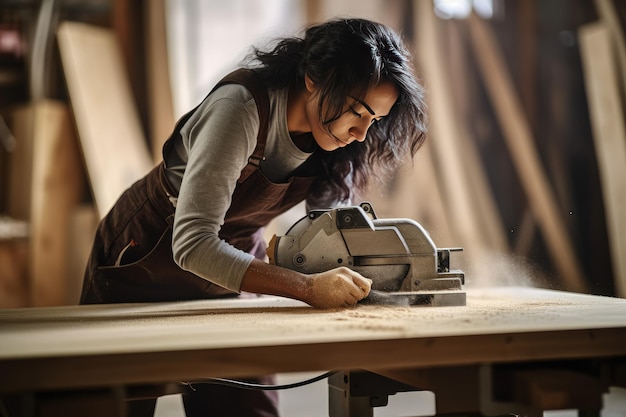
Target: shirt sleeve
point(219, 138)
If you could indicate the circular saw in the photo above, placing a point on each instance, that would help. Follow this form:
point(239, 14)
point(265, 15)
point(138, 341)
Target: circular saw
point(398, 255)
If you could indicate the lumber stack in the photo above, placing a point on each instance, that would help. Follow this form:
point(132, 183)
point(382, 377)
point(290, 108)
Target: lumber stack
point(94, 144)
point(112, 139)
point(602, 45)
point(47, 184)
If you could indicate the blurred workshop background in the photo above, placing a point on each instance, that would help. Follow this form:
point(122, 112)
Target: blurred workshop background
point(524, 167)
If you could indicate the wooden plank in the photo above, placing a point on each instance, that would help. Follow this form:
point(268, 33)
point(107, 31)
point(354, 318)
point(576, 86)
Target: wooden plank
point(47, 181)
point(518, 137)
point(14, 245)
point(20, 121)
point(128, 27)
point(131, 328)
point(82, 229)
point(487, 212)
point(609, 16)
point(445, 132)
point(73, 346)
point(609, 135)
point(527, 21)
point(160, 104)
point(57, 186)
point(112, 140)
point(79, 371)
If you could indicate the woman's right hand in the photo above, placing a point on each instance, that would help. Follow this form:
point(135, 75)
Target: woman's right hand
point(339, 287)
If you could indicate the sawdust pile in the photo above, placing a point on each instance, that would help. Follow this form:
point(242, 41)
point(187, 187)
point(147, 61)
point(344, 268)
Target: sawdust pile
point(485, 312)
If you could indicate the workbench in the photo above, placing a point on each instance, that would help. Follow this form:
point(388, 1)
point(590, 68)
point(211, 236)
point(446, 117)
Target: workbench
point(512, 348)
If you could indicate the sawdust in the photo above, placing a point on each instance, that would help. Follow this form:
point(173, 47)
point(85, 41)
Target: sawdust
point(502, 270)
point(481, 312)
point(484, 313)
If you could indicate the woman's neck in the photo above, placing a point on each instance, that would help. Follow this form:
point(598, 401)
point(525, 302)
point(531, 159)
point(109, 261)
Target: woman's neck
point(297, 121)
point(305, 142)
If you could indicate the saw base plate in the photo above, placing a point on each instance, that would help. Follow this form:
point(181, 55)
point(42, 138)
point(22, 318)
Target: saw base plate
point(416, 298)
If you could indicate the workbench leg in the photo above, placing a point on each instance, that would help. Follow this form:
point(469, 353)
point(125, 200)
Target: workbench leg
point(341, 403)
point(356, 393)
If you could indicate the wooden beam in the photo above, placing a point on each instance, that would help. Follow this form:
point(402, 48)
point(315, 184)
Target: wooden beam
point(160, 104)
point(487, 212)
point(608, 15)
point(527, 55)
point(20, 171)
point(57, 184)
point(609, 135)
point(129, 28)
point(450, 162)
point(14, 245)
point(518, 137)
point(47, 169)
point(111, 137)
point(82, 229)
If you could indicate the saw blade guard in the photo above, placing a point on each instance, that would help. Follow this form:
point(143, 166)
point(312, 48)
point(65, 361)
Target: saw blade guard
point(396, 254)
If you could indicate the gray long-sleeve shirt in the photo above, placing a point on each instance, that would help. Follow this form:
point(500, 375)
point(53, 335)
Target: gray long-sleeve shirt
point(204, 166)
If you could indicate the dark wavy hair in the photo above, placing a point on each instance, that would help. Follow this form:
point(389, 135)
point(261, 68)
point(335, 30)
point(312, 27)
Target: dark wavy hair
point(346, 57)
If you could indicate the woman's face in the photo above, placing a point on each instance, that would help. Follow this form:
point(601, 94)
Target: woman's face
point(356, 119)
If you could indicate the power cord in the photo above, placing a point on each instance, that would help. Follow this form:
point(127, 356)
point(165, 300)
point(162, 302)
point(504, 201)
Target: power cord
point(261, 387)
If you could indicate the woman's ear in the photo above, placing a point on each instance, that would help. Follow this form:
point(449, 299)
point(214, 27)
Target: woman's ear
point(309, 84)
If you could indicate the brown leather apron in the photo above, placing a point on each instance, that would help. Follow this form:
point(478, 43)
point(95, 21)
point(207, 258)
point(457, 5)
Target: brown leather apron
point(131, 259)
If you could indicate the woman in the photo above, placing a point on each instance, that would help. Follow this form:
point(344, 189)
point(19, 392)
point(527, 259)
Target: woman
point(315, 118)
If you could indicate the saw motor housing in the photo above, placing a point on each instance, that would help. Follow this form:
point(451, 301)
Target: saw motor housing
point(398, 255)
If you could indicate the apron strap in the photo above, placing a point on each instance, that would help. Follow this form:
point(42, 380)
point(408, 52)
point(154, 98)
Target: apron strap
point(253, 83)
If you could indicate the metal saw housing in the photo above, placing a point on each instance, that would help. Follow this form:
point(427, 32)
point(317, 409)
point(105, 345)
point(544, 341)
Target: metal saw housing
point(398, 255)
